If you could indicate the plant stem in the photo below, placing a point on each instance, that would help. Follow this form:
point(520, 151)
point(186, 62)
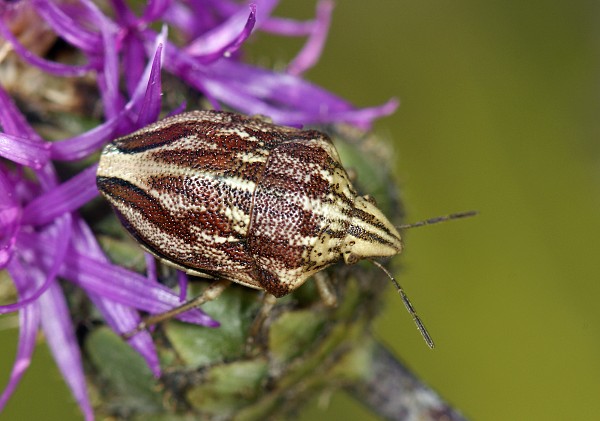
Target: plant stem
point(396, 394)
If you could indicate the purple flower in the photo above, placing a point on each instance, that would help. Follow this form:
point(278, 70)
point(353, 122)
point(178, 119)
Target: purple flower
point(42, 237)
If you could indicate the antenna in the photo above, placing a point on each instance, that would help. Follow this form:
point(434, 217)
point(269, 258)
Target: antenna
point(438, 219)
point(409, 306)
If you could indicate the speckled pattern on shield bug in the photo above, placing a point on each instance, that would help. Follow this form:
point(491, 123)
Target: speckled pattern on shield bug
point(235, 198)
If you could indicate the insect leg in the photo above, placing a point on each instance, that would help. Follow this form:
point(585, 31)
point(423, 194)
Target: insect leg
point(212, 292)
point(325, 289)
point(268, 303)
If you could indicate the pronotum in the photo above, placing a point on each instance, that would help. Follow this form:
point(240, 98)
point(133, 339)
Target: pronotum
point(238, 199)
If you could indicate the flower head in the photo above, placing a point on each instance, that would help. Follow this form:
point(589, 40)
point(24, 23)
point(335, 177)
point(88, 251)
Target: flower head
point(42, 237)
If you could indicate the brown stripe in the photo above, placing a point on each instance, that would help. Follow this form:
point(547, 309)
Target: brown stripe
point(288, 167)
point(221, 162)
point(117, 190)
point(211, 126)
point(271, 283)
point(213, 196)
point(122, 193)
point(287, 255)
point(370, 236)
point(154, 136)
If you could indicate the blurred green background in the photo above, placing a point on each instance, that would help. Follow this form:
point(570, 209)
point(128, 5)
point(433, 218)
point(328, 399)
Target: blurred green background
point(500, 113)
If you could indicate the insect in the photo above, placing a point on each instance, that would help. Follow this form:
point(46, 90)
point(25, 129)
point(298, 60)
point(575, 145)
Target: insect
point(224, 196)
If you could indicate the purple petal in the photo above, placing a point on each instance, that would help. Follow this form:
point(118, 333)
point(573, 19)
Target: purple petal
point(116, 283)
point(364, 117)
point(31, 153)
point(43, 64)
point(286, 26)
point(56, 324)
point(151, 273)
point(192, 18)
point(123, 319)
point(60, 336)
point(134, 60)
point(151, 73)
point(108, 78)
point(225, 38)
point(126, 287)
point(222, 7)
point(10, 218)
point(310, 53)
point(155, 9)
point(264, 8)
point(182, 281)
point(152, 99)
point(12, 121)
point(285, 98)
point(178, 15)
point(68, 27)
point(283, 90)
point(181, 108)
point(80, 146)
point(67, 197)
point(29, 321)
point(58, 243)
point(118, 316)
point(123, 15)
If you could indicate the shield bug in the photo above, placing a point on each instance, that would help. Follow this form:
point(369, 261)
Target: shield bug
point(239, 199)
